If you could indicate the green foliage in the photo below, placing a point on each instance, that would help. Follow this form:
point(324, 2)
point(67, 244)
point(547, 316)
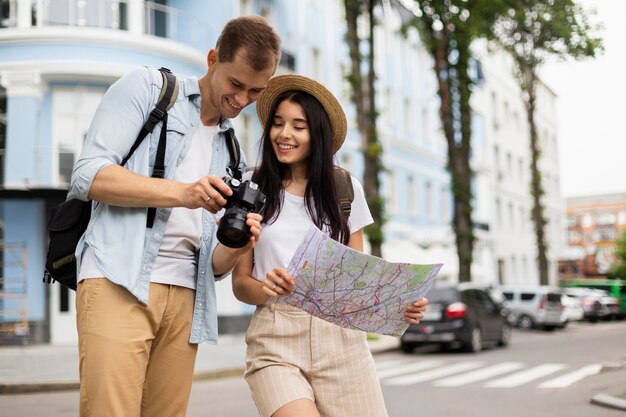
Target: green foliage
point(618, 269)
point(531, 31)
point(448, 28)
point(361, 78)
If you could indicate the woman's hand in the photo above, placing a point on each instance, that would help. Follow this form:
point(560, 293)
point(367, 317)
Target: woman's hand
point(278, 282)
point(415, 311)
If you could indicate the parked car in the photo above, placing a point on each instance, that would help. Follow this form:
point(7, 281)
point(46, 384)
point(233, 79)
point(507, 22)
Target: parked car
point(459, 316)
point(589, 301)
point(572, 308)
point(610, 308)
point(534, 307)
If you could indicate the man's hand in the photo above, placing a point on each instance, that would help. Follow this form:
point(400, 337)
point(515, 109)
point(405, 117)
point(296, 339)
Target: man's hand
point(208, 193)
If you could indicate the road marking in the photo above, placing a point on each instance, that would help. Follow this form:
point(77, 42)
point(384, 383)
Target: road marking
point(568, 379)
point(394, 362)
point(521, 378)
point(433, 374)
point(479, 375)
point(410, 368)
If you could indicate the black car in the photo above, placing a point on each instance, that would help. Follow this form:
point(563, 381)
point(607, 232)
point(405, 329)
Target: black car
point(460, 316)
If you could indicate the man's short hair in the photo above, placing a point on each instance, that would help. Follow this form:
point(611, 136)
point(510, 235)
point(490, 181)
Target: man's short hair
point(252, 35)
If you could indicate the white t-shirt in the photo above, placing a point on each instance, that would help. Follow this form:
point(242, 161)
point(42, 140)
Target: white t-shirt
point(280, 239)
point(176, 261)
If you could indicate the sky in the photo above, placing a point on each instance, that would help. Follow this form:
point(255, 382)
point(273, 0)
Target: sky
point(591, 111)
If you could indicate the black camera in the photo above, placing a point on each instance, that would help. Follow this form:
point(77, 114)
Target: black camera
point(246, 198)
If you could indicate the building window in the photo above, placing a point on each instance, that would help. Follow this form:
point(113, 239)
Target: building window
point(72, 111)
point(621, 217)
point(3, 131)
point(606, 218)
point(573, 237)
point(425, 126)
point(157, 16)
point(412, 196)
point(587, 221)
point(316, 63)
point(430, 211)
point(572, 221)
point(445, 204)
point(8, 13)
point(244, 7)
point(496, 158)
point(408, 116)
point(494, 111)
point(604, 235)
point(102, 14)
point(509, 164)
point(392, 194)
point(498, 213)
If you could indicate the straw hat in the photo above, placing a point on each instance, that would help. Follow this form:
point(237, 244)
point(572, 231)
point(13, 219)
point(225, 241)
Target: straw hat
point(288, 82)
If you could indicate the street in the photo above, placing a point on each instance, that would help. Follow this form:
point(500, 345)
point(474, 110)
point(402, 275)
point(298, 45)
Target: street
point(540, 374)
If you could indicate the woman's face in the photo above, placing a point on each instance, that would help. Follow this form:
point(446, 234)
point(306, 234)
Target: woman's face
point(290, 134)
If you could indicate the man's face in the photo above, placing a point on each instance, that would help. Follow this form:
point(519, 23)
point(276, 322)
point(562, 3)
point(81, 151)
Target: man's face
point(235, 84)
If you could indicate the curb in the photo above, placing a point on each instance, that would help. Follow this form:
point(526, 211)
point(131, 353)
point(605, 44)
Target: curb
point(35, 387)
point(609, 401)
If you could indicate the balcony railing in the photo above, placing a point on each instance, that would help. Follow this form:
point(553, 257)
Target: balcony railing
point(135, 16)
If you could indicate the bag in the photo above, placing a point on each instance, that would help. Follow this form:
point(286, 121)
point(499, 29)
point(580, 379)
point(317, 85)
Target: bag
point(69, 220)
point(345, 191)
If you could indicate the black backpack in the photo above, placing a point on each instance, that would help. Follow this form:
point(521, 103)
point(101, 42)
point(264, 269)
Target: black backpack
point(68, 221)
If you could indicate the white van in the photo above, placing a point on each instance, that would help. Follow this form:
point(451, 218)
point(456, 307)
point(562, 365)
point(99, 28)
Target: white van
point(534, 307)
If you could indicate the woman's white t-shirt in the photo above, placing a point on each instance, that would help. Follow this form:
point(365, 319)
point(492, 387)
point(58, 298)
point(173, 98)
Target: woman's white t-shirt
point(280, 239)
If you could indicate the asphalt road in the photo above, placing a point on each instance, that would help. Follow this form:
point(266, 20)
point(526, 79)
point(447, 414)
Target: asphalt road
point(540, 374)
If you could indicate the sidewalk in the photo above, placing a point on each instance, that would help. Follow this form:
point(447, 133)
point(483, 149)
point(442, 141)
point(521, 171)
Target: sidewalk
point(45, 368)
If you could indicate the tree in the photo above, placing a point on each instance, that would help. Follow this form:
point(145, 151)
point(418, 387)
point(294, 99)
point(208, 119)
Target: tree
point(447, 28)
point(364, 99)
point(618, 269)
point(531, 31)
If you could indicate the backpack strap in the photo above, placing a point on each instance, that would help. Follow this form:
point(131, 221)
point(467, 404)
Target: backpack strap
point(235, 169)
point(167, 98)
point(345, 191)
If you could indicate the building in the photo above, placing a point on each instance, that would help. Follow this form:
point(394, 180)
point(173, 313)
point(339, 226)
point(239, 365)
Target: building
point(57, 58)
point(594, 225)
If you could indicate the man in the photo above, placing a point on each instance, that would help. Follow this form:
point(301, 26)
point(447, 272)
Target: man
point(146, 296)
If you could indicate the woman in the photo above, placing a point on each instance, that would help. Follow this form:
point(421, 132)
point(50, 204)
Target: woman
point(297, 364)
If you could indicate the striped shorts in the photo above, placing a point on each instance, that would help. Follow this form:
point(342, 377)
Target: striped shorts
point(292, 355)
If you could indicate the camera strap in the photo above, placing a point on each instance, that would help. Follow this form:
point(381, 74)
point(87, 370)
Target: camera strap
point(235, 168)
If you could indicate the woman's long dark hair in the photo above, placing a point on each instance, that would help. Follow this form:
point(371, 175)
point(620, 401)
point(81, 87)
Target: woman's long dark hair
point(321, 197)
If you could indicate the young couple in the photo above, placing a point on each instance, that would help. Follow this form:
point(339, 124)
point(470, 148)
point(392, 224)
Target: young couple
point(146, 296)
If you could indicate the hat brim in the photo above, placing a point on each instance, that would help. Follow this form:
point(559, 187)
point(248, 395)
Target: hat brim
point(289, 82)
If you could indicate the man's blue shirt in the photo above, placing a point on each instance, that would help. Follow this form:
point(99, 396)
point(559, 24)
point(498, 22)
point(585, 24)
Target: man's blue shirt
point(124, 249)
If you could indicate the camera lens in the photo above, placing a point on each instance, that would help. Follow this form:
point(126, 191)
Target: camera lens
point(233, 230)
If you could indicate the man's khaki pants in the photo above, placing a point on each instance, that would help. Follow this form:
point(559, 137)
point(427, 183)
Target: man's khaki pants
point(135, 360)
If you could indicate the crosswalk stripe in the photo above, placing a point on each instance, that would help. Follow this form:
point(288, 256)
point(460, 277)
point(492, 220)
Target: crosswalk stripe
point(568, 379)
point(391, 363)
point(524, 377)
point(433, 374)
point(409, 368)
point(478, 375)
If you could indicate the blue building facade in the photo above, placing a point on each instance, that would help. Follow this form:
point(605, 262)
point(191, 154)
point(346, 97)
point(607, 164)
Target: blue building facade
point(58, 57)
